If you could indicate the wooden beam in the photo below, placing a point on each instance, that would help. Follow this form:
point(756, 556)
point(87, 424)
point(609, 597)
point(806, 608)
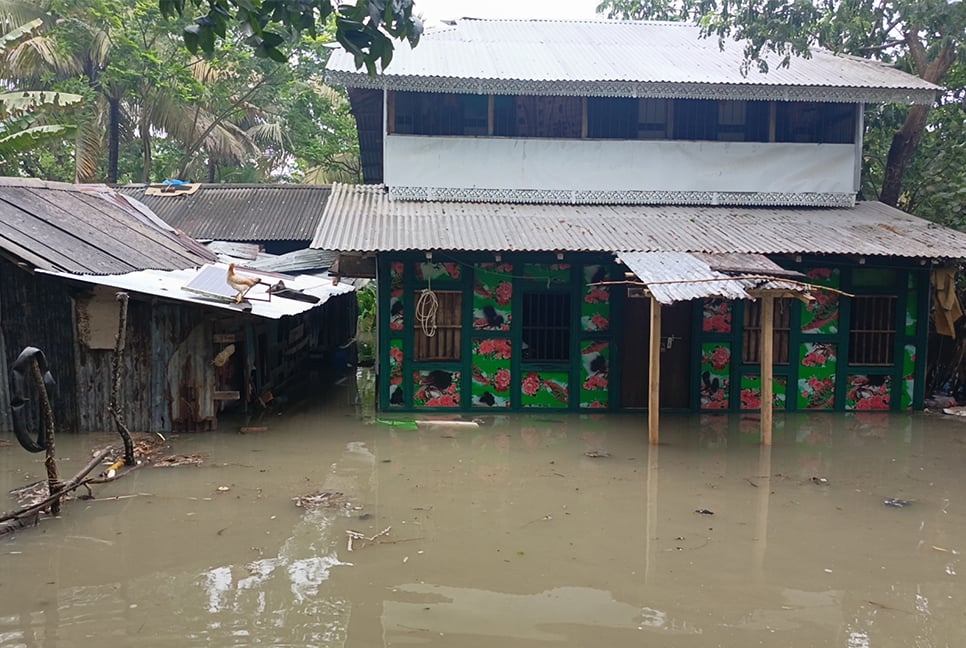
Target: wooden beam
point(654, 375)
point(767, 363)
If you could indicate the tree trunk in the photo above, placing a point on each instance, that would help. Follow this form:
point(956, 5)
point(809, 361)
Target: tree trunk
point(144, 128)
point(907, 138)
point(114, 138)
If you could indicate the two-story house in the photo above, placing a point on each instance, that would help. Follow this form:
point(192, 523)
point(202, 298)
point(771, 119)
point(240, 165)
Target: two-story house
point(542, 195)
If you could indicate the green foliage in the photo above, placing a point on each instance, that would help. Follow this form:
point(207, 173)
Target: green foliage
point(364, 28)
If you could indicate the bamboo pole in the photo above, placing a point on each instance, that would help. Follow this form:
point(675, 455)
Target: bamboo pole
point(767, 364)
point(654, 375)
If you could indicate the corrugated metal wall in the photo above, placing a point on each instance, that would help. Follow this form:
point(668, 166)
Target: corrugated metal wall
point(37, 311)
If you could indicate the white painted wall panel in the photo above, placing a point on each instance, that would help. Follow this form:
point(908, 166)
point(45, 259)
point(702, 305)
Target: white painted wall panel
point(608, 165)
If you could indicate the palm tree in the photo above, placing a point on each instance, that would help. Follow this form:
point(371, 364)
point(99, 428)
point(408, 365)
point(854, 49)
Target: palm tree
point(22, 112)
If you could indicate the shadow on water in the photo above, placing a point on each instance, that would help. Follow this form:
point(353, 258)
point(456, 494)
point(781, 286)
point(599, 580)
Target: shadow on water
point(530, 530)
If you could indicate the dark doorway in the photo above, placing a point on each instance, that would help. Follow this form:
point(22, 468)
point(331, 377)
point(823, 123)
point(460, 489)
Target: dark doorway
point(675, 354)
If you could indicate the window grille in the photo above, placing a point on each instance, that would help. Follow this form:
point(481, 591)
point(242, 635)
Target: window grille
point(872, 334)
point(652, 119)
point(427, 113)
point(611, 117)
point(446, 342)
point(815, 123)
point(546, 327)
point(751, 348)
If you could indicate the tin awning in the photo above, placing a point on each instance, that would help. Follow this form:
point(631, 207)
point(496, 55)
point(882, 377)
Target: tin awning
point(682, 276)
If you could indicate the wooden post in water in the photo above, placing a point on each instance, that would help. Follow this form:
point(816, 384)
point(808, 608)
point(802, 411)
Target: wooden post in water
point(654, 374)
point(53, 480)
point(767, 363)
point(650, 516)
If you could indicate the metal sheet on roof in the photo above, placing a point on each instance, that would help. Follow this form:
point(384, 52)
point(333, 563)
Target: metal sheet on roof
point(240, 212)
point(679, 276)
point(619, 58)
point(171, 285)
point(88, 229)
point(361, 218)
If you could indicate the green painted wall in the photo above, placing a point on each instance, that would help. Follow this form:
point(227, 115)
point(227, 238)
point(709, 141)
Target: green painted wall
point(493, 373)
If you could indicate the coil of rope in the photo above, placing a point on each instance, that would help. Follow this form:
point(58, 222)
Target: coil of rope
point(426, 308)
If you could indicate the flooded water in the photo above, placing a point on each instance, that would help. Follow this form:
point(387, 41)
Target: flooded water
point(509, 535)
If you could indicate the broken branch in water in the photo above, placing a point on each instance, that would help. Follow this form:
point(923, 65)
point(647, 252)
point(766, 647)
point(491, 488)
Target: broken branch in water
point(65, 487)
point(355, 535)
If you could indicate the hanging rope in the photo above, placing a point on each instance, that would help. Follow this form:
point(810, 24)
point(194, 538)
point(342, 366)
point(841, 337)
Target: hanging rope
point(426, 308)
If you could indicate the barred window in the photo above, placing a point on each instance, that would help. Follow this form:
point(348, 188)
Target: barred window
point(872, 334)
point(546, 327)
point(440, 339)
point(751, 349)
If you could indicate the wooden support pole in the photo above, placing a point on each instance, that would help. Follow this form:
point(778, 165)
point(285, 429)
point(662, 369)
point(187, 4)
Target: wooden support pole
point(767, 364)
point(654, 375)
point(763, 481)
point(650, 516)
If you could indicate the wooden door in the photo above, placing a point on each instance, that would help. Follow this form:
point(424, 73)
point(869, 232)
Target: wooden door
point(675, 354)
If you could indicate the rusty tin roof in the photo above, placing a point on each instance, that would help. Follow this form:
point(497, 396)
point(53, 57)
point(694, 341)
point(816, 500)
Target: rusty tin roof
point(88, 229)
point(238, 212)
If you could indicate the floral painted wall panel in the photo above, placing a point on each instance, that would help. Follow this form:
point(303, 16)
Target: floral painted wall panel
point(868, 392)
point(715, 375)
point(492, 296)
point(595, 307)
point(436, 388)
point(912, 313)
point(428, 271)
point(396, 393)
point(716, 316)
point(594, 369)
point(908, 376)
point(751, 392)
point(491, 373)
point(545, 389)
point(397, 309)
point(821, 315)
point(554, 273)
point(816, 378)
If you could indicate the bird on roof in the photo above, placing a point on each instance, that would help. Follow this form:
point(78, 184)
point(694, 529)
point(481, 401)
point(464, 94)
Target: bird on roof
point(240, 283)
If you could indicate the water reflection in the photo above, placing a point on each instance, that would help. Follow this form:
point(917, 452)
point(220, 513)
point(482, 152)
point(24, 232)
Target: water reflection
point(554, 529)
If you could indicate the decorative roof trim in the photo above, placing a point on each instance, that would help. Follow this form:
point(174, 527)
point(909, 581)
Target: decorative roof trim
point(629, 197)
point(633, 89)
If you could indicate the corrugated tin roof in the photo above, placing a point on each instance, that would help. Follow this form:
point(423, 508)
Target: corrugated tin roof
point(618, 58)
point(361, 218)
point(87, 229)
point(240, 212)
point(170, 285)
point(679, 276)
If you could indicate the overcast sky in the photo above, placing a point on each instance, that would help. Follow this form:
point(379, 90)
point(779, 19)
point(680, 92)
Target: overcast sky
point(435, 10)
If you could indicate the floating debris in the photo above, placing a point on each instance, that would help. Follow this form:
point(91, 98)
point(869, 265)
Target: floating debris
point(896, 503)
point(821, 481)
point(321, 500)
point(223, 489)
point(704, 511)
point(596, 454)
point(179, 460)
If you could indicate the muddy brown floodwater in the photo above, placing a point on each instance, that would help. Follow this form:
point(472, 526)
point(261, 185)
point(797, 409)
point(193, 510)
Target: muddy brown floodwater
point(506, 535)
